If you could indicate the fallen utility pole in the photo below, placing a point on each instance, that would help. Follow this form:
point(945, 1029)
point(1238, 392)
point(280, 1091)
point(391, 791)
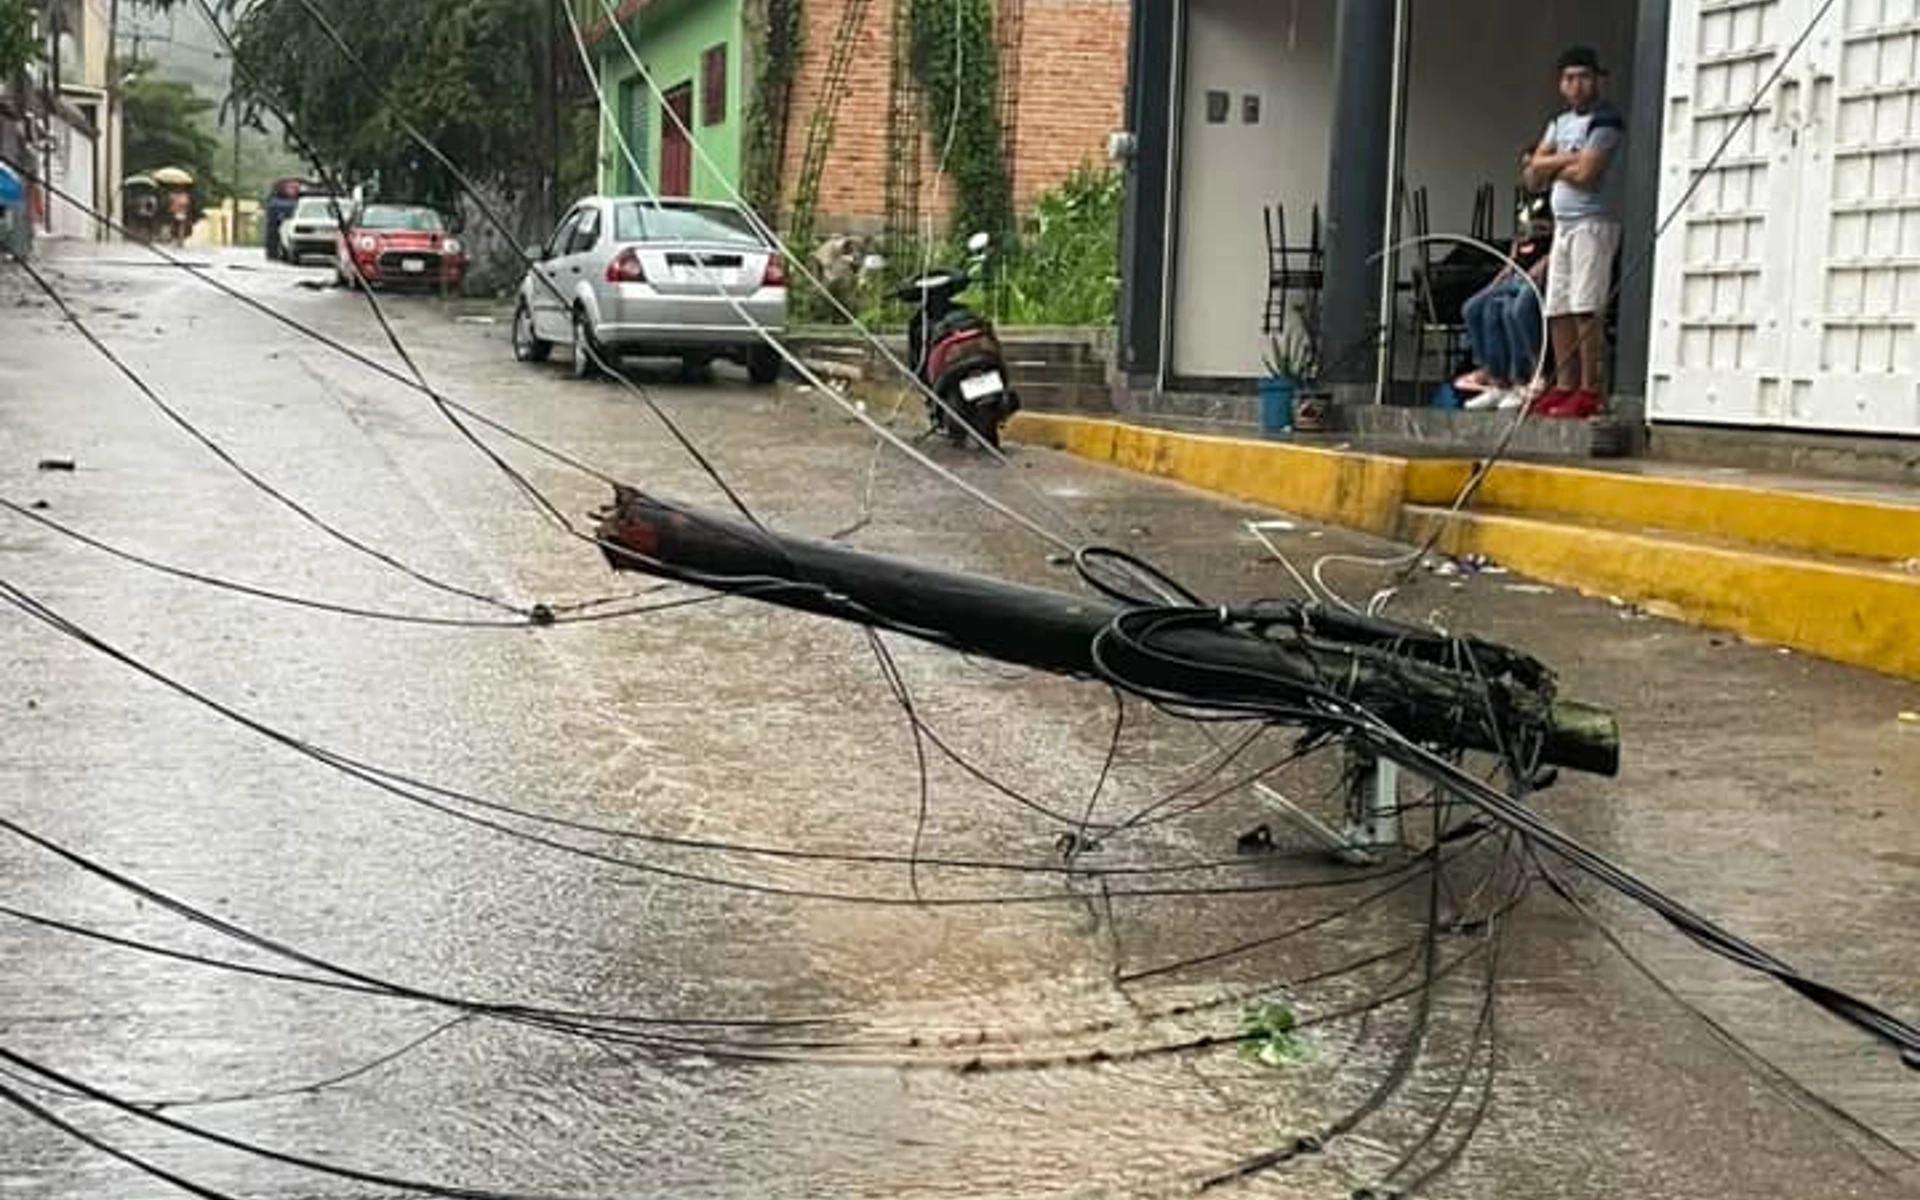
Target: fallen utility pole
point(1437, 690)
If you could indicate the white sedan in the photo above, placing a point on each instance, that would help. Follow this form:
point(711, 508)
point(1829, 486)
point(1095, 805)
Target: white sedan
point(313, 231)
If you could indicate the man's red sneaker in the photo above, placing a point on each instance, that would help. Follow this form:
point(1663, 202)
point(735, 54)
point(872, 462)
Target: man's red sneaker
point(1579, 406)
point(1549, 402)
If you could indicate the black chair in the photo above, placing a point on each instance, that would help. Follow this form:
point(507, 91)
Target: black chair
point(1445, 277)
point(1293, 271)
point(1484, 218)
point(1437, 320)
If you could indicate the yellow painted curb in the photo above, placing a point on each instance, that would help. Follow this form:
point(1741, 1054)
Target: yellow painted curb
point(1362, 491)
point(1832, 526)
point(1581, 529)
point(1851, 614)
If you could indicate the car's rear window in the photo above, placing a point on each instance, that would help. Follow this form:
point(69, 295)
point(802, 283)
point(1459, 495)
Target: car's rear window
point(316, 208)
point(634, 221)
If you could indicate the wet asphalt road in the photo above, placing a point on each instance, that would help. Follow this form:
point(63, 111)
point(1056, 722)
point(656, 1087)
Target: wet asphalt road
point(1777, 793)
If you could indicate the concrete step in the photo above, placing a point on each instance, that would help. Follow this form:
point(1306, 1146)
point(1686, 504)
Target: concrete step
point(1863, 611)
point(1832, 575)
point(1794, 520)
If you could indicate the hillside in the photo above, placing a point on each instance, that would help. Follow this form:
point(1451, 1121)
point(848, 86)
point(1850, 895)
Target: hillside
point(182, 48)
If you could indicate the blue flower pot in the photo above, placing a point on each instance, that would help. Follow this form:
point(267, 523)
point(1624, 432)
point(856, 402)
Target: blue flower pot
point(1276, 404)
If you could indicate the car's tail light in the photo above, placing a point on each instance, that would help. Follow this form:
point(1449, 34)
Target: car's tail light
point(776, 275)
point(626, 268)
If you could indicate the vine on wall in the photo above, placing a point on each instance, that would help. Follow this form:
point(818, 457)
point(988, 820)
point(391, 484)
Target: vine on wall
point(957, 62)
point(775, 36)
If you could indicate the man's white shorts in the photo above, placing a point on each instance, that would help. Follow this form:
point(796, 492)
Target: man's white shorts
point(1580, 272)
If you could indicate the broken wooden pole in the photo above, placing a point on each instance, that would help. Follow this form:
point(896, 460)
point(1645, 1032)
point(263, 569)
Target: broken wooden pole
point(1406, 676)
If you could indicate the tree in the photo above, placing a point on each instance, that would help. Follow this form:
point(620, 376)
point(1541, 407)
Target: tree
point(472, 75)
point(17, 45)
point(168, 124)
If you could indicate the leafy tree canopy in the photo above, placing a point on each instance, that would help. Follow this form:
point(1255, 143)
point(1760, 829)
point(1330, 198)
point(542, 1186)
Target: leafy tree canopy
point(168, 124)
point(16, 37)
point(470, 74)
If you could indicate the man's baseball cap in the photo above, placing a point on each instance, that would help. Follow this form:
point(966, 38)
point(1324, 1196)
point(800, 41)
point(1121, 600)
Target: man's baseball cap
point(1581, 58)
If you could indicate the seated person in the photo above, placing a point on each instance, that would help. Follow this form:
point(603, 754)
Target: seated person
point(1503, 320)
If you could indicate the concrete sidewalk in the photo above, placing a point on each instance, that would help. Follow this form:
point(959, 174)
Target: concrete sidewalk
point(1823, 568)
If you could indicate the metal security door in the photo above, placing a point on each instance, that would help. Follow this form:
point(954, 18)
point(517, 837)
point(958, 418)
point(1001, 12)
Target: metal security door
point(1854, 353)
point(1724, 269)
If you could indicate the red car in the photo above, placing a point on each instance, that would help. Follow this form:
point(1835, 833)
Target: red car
point(389, 245)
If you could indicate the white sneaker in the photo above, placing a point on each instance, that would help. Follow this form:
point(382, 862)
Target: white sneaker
point(1510, 400)
point(1492, 398)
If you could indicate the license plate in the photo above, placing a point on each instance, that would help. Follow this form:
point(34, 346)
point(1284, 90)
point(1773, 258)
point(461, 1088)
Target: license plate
point(976, 387)
point(413, 266)
point(707, 276)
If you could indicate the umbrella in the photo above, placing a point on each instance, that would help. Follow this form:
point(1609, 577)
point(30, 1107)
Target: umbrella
point(172, 177)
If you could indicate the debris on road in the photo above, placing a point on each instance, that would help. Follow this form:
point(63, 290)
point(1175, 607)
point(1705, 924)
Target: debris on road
point(1470, 564)
point(1269, 1035)
point(57, 464)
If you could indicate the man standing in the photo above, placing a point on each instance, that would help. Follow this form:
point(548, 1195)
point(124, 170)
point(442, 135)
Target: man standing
point(1575, 157)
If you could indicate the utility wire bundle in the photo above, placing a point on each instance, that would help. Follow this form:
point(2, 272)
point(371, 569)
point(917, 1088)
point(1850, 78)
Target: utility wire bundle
point(1410, 695)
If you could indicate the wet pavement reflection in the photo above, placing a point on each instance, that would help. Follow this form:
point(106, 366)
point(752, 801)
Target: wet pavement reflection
point(1015, 1033)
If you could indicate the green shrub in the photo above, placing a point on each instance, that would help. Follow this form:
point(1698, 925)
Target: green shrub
point(1063, 271)
point(1066, 270)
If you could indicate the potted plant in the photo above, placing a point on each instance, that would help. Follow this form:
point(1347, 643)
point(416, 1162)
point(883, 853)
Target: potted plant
point(1294, 356)
point(1278, 388)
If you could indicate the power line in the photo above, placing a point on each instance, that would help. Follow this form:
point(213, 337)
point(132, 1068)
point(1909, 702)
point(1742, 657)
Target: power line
point(1325, 705)
point(430, 796)
point(253, 479)
point(535, 618)
point(884, 434)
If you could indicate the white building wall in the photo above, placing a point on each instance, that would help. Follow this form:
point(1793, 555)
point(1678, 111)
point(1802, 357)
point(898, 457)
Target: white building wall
point(73, 170)
point(1282, 54)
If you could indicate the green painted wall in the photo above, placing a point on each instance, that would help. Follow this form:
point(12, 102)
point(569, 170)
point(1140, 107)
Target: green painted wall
point(671, 38)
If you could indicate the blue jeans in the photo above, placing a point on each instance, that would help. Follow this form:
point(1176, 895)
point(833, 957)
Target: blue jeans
point(1503, 327)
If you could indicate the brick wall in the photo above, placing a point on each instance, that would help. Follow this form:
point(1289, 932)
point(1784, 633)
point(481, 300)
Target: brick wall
point(1073, 61)
point(854, 181)
point(1073, 78)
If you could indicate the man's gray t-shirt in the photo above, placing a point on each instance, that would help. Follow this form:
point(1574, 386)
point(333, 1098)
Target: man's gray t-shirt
point(1601, 127)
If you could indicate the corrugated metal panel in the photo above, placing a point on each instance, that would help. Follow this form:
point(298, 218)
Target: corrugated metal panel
point(1724, 267)
point(1854, 347)
point(1788, 293)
